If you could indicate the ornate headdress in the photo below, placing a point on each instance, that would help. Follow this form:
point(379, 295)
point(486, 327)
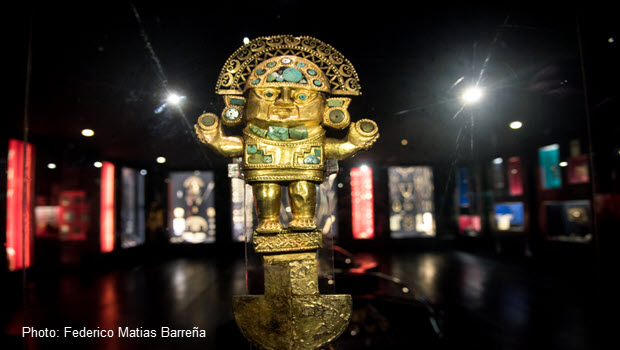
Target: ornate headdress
point(288, 60)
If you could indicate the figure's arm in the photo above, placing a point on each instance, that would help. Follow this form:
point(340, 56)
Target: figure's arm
point(360, 137)
point(209, 131)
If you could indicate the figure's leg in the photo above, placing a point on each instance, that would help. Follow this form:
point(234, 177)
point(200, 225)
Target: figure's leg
point(267, 197)
point(302, 195)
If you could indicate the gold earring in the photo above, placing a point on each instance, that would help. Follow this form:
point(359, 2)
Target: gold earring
point(336, 114)
point(233, 112)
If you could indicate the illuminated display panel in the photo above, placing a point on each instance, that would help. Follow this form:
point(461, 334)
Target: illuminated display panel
point(73, 216)
point(578, 170)
point(411, 201)
point(498, 173)
point(463, 187)
point(192, 207)
point(549, 161)
point(515, 181)
point(362, 207)
point(568, 220)
point(509, 216)
point(107, 217)
point(242, 210)
point(132, 208)
point(20, 188)
point(470, 225)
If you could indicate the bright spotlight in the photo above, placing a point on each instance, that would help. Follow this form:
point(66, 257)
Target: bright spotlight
point(472, 95)
point(563, 164)
point(98, 164)
point(174, 99)
point(246, 40)
point(51, 166)
point(143, 172)
point(161, 160)
point(516, 125)
point(88, 132)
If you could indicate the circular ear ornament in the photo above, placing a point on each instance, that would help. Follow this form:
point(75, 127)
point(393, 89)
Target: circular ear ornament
point(233, 112)
point(336, 114)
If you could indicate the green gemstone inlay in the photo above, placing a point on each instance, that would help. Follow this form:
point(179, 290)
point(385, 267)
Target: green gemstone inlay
point(298, 132)
point(271, 64)
point(267, 159)
point(237, 102)
point(335, 103)
point(277, 133)
point(317, 152)
point(317, 83)
point(311, 72)
point(251, 149)
point(258, 131)
point(256, 81)
point(311, 159)
point(300, 64)
point(292, 75)
point(255, 159)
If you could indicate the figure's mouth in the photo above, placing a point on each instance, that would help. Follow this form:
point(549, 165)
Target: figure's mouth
point(283, 113)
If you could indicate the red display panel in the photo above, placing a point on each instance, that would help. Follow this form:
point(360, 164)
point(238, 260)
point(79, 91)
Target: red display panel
point(107, 208)
point(470, 224)
point(515, 180)
point(578, 170)
point(362, 208)
point(20, 188)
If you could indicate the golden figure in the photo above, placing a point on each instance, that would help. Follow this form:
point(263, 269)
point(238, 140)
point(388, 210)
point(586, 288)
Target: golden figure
point(284, 89)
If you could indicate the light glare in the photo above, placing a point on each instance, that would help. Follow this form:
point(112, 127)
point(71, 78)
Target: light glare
point(174, 99)
point(246, 40)
point(516, 125)
point(88, 132)
point(563, 164)
point(472, 95)
point(98, 164)
point(161, 160)
point(51, 166)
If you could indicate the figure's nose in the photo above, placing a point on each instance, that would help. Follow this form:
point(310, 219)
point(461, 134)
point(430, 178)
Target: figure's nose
point(285, 97)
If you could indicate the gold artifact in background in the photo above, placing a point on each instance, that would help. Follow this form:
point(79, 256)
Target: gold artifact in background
point(284, 89)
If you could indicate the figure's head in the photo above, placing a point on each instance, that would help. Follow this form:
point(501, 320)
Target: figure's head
point(286, 80)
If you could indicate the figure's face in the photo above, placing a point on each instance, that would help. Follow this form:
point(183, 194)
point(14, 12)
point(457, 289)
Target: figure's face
point(288, 106)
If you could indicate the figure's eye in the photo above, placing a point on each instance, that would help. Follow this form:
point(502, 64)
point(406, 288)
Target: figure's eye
point(268, 94)
point(303, 96)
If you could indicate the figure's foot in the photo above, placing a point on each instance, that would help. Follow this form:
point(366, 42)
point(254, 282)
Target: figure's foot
point(302, 224)
point(269, 226)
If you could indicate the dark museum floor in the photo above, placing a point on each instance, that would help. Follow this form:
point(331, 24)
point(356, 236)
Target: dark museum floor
point(479, 301)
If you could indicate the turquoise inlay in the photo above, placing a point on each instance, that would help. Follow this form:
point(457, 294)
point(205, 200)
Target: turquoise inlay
point(269, 94)
point(267, 159)
point(279, 79)
point(260, 151)
point(277, 133)
point(302, 97)
point(256, 81)
point(292, 75)
point(271, 64)
point(300, 64)
point(271, 77)
point(311, 72)
point(311, 159)
point(258, 131)
point(335, 103)
point(255, 159)
point(298, 132)
point(237, 102)
point(260, 71)
point(317, 83)
point(251, 149)
point(317, 152)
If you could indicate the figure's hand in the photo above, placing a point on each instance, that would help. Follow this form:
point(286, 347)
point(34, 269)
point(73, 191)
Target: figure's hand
point(363, 133)
point(209, 131)
point(208, 128)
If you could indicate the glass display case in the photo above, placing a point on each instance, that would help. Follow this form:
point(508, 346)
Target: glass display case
point(192, 207)
point(412, 208)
